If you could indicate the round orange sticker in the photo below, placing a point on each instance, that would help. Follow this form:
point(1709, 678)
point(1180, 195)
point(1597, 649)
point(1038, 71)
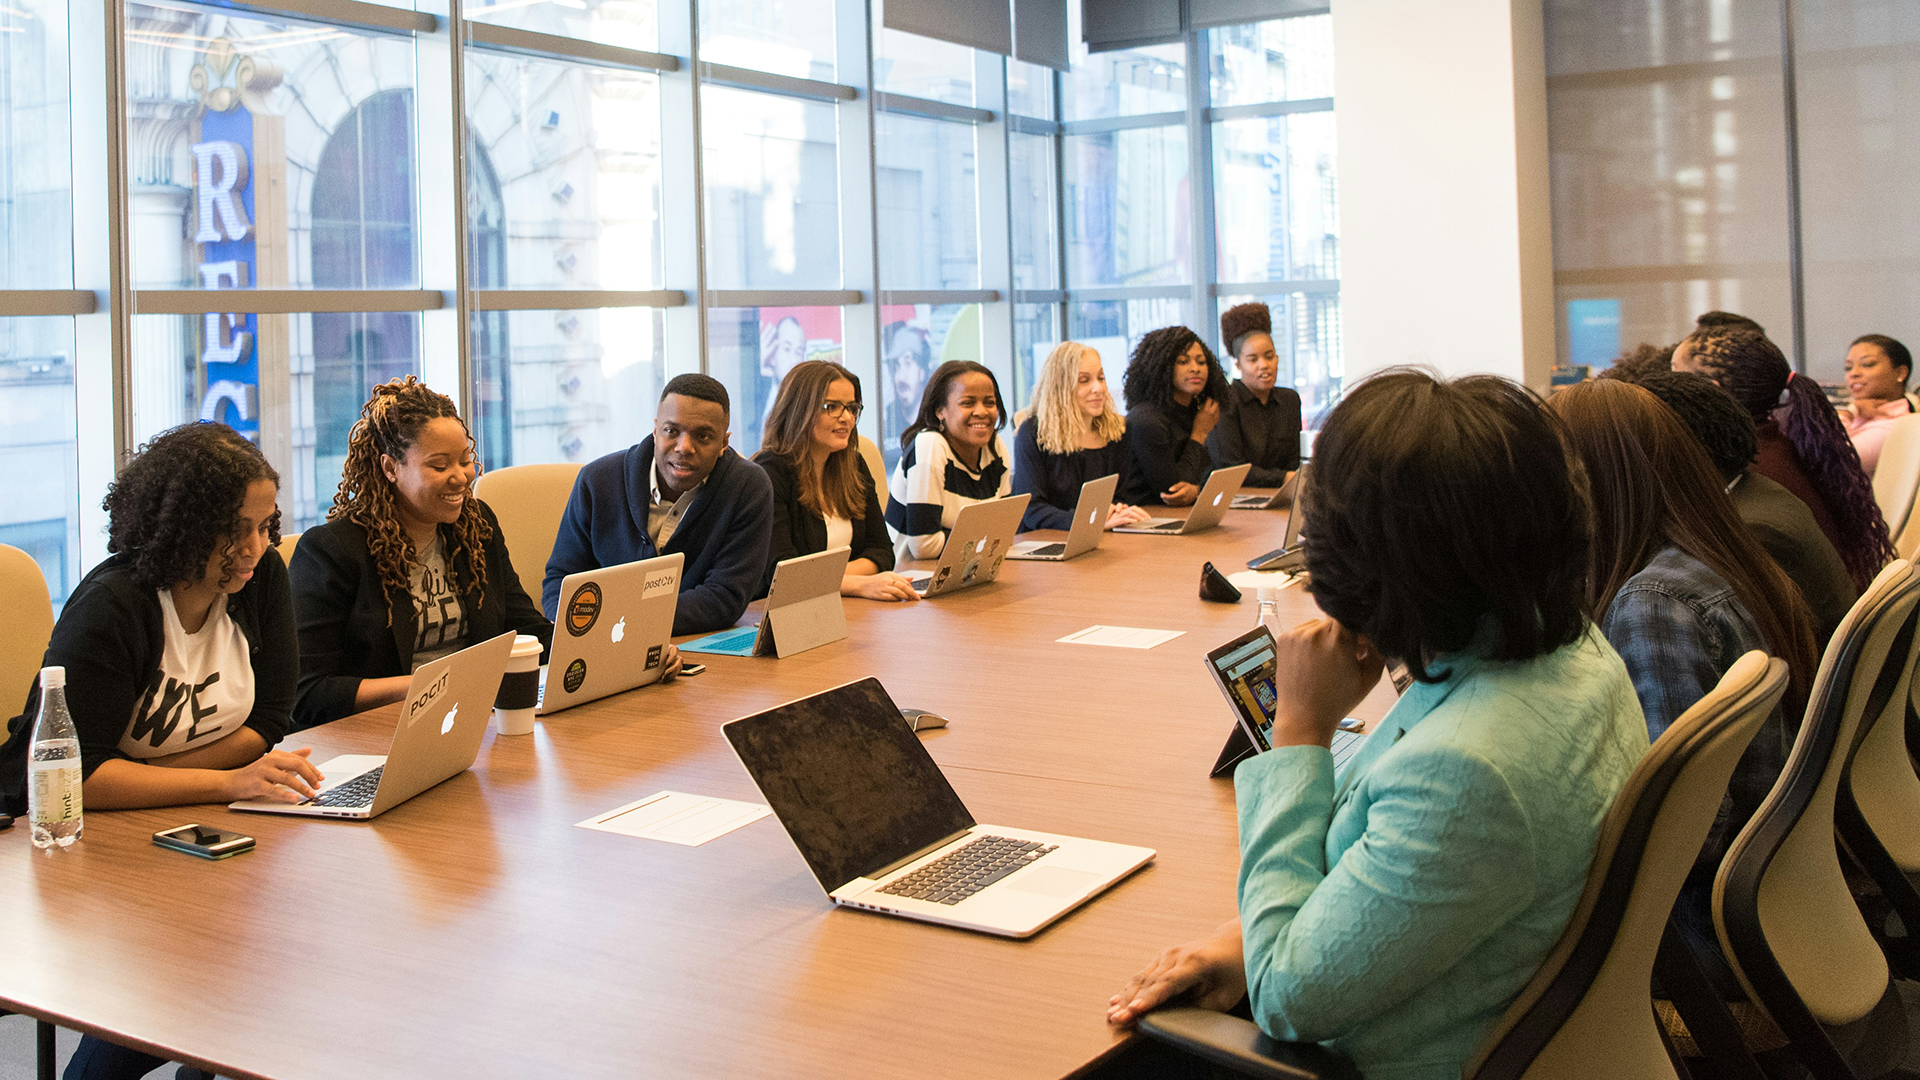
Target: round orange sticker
point(583, 610)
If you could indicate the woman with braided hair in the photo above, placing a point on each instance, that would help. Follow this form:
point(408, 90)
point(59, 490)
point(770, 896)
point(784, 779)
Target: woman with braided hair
point(1261, 425)
point(1175, 392)
point(1803, 445)
point(408, 567)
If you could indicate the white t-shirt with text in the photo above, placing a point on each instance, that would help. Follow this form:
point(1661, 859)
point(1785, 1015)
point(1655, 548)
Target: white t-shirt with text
point(203, 691)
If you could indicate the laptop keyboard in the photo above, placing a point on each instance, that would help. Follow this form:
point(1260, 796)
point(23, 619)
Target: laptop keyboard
point(1049, 549)
point(356, 792)
point(952, 878)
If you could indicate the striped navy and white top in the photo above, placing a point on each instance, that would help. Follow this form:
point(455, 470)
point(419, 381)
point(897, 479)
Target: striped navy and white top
point(929, 487)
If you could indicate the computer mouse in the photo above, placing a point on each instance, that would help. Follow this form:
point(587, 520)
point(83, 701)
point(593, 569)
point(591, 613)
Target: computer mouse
point(922, 720)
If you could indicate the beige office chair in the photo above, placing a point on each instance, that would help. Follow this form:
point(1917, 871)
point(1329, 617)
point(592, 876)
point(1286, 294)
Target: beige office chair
point(1786, 920)
point(288, 541)
point(1895, 481)
point(529, 500)
point(876, 465)
point(25, 630)
point(1588, 1011)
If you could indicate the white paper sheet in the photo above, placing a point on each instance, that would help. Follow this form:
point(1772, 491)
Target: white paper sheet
point(1262, 579)
point(677, 818)
point(1121, 637)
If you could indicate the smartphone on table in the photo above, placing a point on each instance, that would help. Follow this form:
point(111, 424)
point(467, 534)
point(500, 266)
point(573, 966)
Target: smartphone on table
point(207, 843)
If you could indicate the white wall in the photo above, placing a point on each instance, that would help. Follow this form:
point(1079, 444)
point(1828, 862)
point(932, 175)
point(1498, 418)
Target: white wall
point(1446, 248)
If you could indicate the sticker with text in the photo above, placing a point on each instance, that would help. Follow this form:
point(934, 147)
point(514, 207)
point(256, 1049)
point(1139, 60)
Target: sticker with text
point(583, 609)
point(576, 674)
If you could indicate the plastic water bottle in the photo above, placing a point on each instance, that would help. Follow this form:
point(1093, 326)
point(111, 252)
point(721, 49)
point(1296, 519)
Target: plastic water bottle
point(1269, 617)
point(53, 792)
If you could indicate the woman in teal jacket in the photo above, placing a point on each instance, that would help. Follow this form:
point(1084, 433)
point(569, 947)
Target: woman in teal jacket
point(1394, 911)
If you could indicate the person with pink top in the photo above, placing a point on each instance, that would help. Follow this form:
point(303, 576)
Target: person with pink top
point(1877, 371)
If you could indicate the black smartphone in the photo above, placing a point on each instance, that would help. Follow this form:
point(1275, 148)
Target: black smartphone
point(204, 842)
point(691, 669)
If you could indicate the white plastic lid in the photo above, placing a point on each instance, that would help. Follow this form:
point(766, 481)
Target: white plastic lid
point(53, 678)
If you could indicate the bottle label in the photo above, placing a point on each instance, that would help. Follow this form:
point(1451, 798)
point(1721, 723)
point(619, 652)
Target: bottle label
point(56, 791)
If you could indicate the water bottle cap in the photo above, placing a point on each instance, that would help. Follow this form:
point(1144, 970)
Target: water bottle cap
point(53, 678)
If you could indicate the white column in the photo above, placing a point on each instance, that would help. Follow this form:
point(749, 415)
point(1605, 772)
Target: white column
point(157, 376)
point(1445, 248)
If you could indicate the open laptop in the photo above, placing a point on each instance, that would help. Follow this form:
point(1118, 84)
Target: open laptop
point(1243, 669)
point(982, 533)
point(803, 611)
point(1291, 555)
point(441, 724)
point(1208, 508)
point(612, 634)
point(1089, 522)
point(883, 830)
point(1281, 494)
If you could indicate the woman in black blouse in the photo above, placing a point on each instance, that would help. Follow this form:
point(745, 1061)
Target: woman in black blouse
point(1072, 434)
point(823, 495)
point(1262, 428)
point(1175, 391)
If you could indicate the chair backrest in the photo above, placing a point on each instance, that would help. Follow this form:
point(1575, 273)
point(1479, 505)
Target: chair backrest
point(288, 541)
point(1880, 780)
point(1587, 1011)
point(529, 500)
point(24, 630)
point(876, 466)
point(1897, 477)
point(1786, 919)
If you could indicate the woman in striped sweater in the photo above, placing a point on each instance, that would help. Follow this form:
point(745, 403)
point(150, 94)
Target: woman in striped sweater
point(951, 455)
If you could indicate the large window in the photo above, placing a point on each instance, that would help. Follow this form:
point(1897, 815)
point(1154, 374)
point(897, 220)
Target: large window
point(550, 210)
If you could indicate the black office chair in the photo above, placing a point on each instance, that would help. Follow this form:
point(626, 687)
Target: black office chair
point(1588, 1011)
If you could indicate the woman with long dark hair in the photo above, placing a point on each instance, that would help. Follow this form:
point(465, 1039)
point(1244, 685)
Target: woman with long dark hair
point(1395, 910)
point(1175, 391)
point(823, 495)
point(408, 567)
point(951, 456)
point(1803, 446)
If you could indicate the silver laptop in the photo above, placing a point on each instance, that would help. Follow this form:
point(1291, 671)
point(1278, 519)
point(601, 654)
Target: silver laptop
point(441, 724)
point(1089, 522)
point(803, 611)
point(882, 829)
point(982, 534)
point(612, 633)
point(1208, 508)
point(1282, 495)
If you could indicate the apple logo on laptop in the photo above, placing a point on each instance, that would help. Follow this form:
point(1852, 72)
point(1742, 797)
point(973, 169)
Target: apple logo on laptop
point(619, 629)
point(1217, 498)
point(446, 724)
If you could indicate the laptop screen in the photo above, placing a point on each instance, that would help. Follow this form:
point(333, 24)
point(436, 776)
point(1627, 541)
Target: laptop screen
point(849, 780)
point(1245, 668)
point(1297, 512)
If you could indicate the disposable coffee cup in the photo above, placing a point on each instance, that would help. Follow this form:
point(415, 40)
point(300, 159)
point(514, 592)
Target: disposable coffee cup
point(519, 692)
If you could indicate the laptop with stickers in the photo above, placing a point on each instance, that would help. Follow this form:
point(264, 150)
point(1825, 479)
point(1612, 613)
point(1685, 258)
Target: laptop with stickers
point(981, 537)
point(442, 722)
point(612, 633)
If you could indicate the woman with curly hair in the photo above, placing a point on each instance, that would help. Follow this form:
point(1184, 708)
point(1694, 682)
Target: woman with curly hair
point(1803, 445)
point(179, 648)
point(408, 567)
point(1072, 434)
point(1175, 391)
point(823, 495)
point(1262, 425)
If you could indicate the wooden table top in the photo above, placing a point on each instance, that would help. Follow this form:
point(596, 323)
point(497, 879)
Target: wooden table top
point(473, 931)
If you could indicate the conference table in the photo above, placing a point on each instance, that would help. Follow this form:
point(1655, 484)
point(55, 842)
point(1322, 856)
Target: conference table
point(476, 932)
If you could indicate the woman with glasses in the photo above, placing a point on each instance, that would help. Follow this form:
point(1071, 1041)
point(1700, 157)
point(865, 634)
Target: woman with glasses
point(824, 496)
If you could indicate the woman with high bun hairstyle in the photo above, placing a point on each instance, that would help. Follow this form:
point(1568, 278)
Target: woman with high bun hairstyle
point(1803, 445)
point(1261, 424)
point(408, 567)
point(1175, 394)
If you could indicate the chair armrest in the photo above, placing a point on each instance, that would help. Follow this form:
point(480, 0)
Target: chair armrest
point(1241, 1046)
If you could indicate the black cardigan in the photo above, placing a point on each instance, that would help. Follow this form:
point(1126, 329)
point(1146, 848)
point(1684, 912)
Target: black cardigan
point(352, 629)
point(110, 638)
point(1164, 453)
point(799, 531)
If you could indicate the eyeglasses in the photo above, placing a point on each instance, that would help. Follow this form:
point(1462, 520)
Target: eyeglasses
point(853, 409)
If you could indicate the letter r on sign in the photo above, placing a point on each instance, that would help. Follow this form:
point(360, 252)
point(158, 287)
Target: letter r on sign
point(221, 169)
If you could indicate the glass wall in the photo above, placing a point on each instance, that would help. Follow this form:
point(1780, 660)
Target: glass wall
point(625, 207)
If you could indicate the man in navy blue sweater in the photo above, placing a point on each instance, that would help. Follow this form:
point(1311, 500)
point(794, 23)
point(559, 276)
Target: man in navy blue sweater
point(680, 489)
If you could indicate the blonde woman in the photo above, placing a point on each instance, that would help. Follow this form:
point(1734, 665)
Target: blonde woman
point(1072, 435)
